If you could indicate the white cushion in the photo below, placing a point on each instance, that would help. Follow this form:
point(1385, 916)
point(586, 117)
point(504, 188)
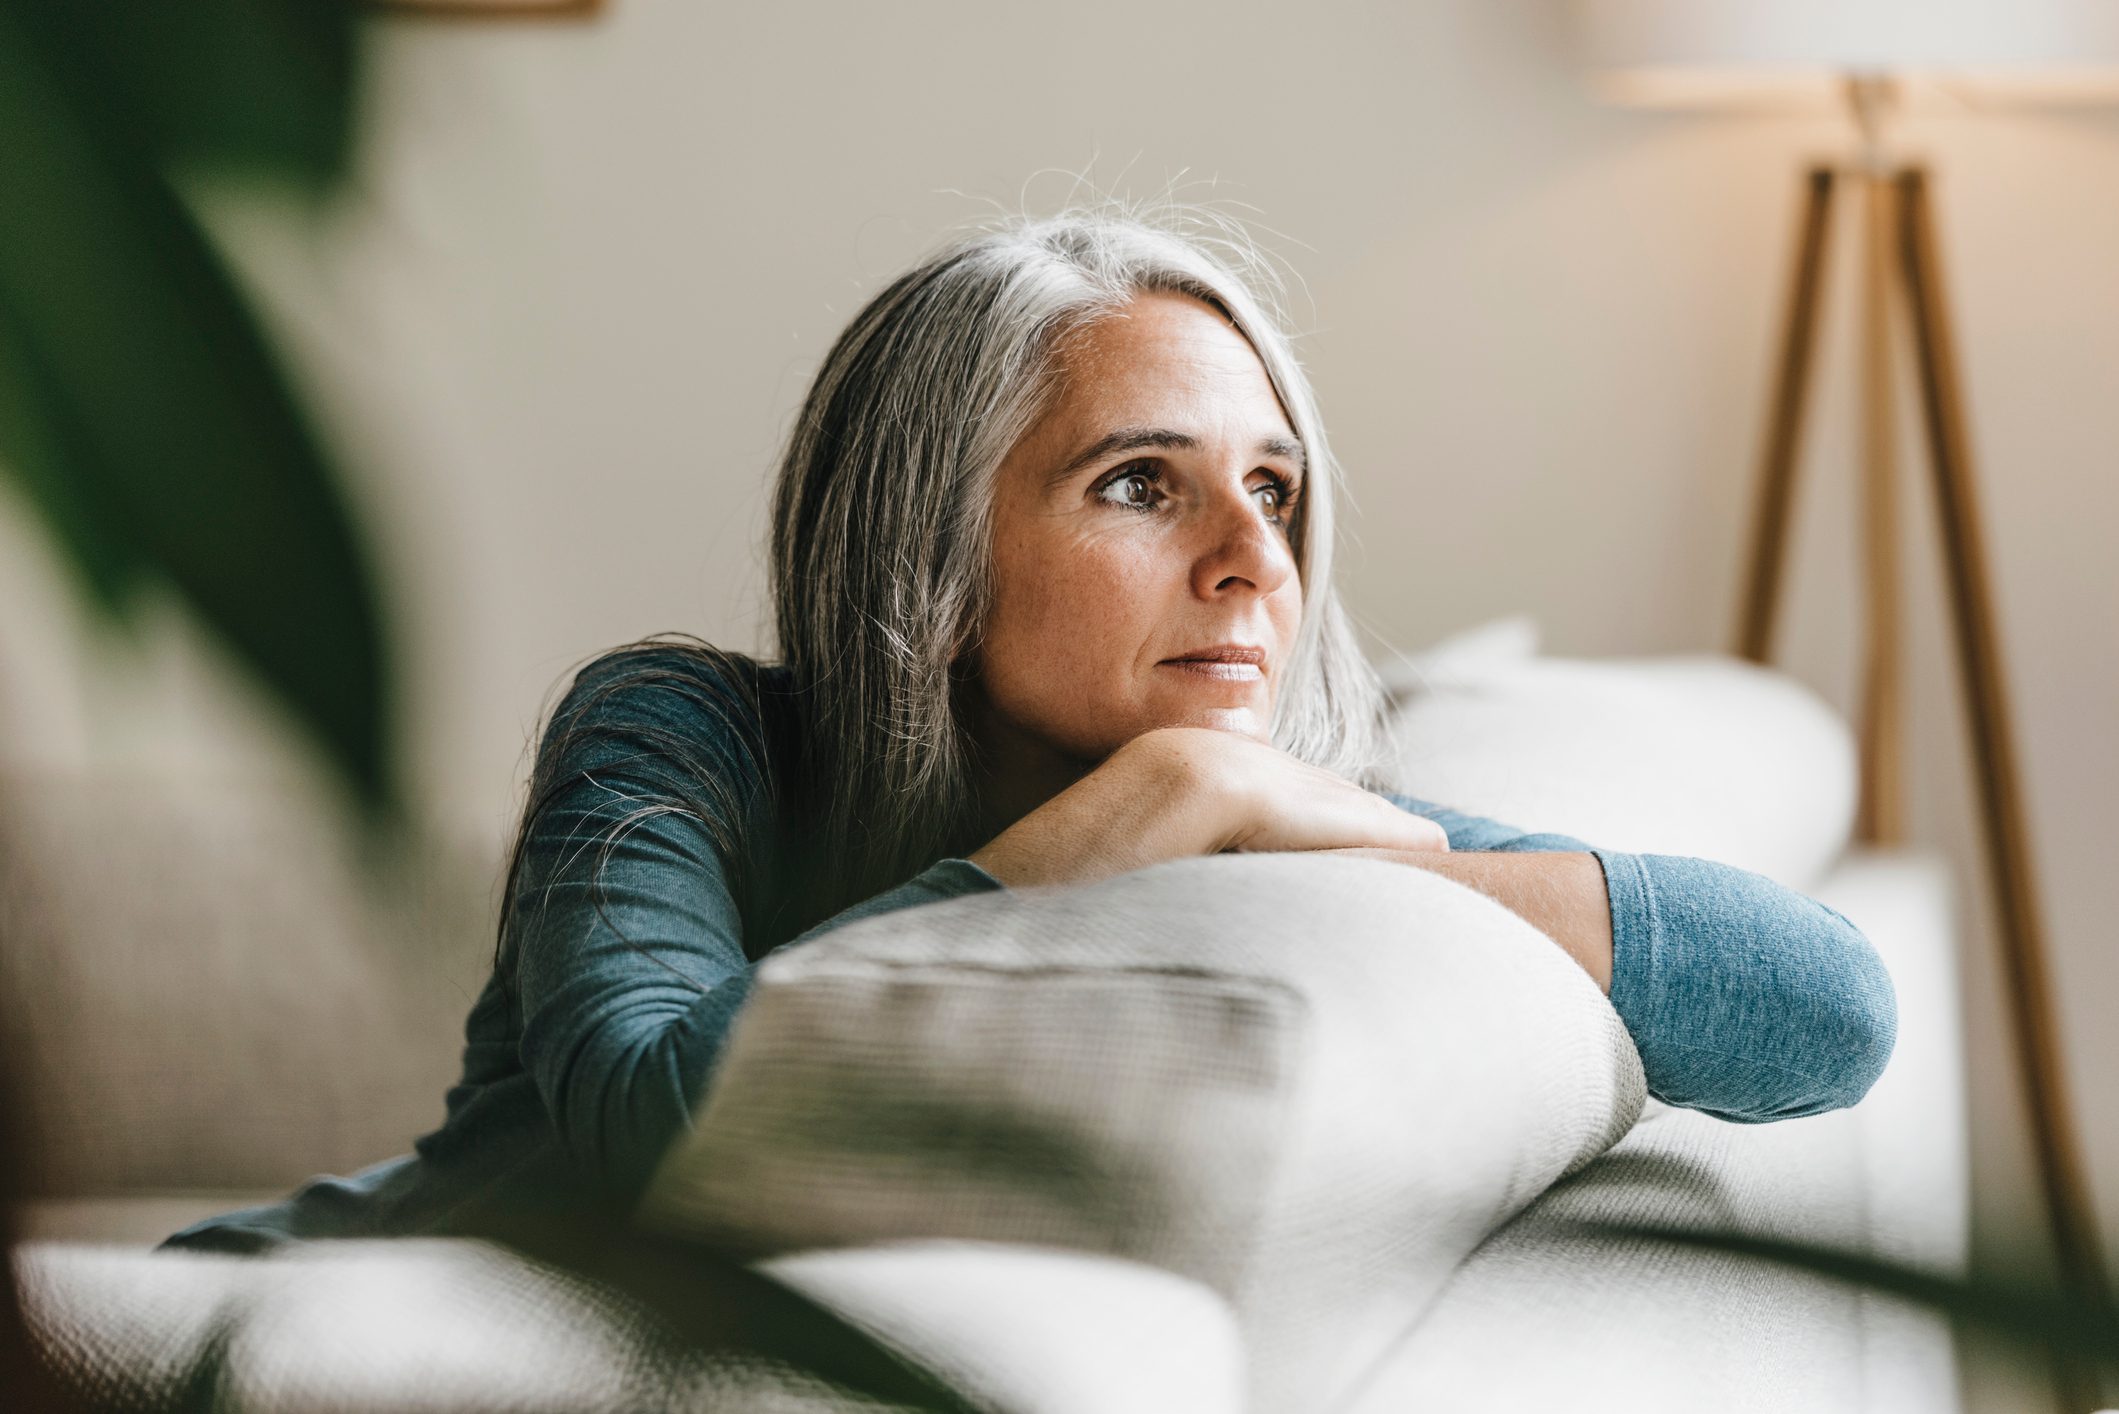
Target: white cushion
point(1705, 756)
point(1311, 1083)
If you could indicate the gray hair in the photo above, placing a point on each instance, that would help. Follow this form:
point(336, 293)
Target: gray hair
point(881, 550)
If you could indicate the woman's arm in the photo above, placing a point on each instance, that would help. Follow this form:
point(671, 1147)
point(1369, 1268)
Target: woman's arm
point(628, 973)
point(627, 942)
point(1746, 999)
point(1562, 895)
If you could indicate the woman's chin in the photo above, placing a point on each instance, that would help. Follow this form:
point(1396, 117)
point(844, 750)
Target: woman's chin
point(1244, 721)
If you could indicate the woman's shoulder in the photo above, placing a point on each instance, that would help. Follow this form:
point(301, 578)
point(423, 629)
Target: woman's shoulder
point(673, 680)
point(670, 697)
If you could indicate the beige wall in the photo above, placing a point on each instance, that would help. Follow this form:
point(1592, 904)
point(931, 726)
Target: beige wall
point(571, 299)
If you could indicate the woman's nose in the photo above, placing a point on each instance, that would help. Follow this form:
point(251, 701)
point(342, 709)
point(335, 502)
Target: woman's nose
point(1242, 548)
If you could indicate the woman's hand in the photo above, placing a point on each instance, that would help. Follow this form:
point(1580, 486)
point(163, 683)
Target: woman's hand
point(1257, 798)
point(1182, 791)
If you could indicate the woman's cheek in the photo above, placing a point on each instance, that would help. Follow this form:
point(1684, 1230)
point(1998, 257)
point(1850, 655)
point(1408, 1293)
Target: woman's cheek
point(1132, 556)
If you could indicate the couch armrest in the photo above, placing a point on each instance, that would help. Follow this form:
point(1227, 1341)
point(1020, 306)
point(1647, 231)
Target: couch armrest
point(1310, 1083)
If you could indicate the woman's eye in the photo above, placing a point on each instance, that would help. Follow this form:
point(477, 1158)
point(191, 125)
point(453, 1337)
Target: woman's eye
point(1274, 497)
point(1141, 489)
point(1136, 489)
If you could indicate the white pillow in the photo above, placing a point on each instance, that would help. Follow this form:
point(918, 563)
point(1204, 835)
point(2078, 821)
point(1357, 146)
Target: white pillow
point(1312, 1083)
point(1706, 756)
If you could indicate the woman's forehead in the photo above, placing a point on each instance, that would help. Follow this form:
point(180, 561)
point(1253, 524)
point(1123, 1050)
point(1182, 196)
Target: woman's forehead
point(1162, 360)
point(1156, 328)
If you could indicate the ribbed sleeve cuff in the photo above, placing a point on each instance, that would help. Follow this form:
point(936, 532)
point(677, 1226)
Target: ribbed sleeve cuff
point(943, 879)
point(953, 878)
point(1635, 965)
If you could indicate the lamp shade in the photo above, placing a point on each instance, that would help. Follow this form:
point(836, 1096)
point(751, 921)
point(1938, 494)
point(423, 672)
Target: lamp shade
point(1727, 52)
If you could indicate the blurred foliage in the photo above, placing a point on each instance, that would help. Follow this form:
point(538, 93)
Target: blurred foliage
point(143, 411)
point(148, 421)
point(718, 1306)
point(2077, 1331)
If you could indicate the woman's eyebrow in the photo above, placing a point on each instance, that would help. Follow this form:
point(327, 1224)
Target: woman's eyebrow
point(1286, 447)
point(1128, 439)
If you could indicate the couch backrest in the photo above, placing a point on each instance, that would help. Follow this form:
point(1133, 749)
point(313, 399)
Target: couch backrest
point(205, 994)
point(1704, 756)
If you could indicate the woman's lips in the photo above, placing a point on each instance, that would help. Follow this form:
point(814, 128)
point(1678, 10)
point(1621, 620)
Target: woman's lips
point(1218, 669)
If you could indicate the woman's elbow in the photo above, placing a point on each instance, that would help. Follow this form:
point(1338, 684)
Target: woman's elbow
point(1863, 1016)
point(1845, 1013)
point(618, 1092)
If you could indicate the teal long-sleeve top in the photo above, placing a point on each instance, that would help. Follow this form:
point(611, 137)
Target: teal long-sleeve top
point(636, 933)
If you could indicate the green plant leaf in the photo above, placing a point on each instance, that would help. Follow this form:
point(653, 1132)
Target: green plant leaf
point(36, 452)
point(713, 1302)
point(266, 85)
point(147, 418)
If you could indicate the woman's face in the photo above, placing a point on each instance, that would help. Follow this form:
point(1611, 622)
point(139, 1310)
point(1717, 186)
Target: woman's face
point(1143, 570)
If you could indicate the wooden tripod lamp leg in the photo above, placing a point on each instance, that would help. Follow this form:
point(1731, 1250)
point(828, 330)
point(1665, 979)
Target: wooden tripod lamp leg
point(1776, 484)
point(2061, 1173)
point(1879, 819)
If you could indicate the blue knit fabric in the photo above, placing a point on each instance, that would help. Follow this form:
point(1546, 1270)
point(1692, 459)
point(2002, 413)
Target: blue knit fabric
point(1745, 999)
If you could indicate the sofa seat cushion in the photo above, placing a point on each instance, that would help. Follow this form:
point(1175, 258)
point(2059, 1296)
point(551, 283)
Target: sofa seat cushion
point(1312, 1083)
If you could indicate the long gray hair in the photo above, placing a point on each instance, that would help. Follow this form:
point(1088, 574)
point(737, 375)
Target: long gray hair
point(881, 553)
point(882, 570)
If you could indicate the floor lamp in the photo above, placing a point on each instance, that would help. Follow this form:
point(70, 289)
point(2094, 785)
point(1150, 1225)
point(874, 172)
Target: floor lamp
point(1869, 55)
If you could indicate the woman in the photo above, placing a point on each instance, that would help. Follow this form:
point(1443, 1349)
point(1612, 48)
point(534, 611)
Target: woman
point(1051, 566)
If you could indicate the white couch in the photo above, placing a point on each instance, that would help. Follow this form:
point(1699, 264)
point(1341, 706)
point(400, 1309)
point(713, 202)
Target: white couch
point(1232, 1235)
